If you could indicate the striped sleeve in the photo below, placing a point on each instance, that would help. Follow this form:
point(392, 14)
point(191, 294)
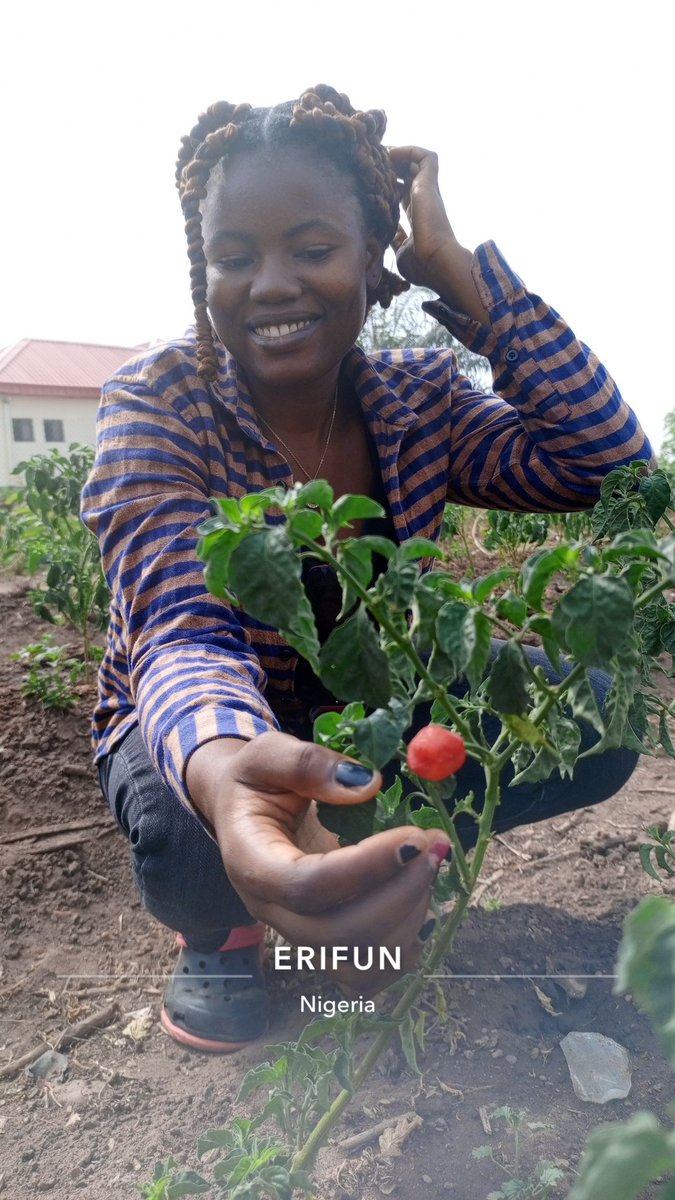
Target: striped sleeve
point(555, 423)
point(192, 673)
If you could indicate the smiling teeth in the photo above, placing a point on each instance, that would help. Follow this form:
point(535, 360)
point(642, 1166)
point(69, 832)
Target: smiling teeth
point(275, 331)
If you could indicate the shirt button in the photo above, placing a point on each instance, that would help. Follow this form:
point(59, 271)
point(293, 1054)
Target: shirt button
point(512, 356)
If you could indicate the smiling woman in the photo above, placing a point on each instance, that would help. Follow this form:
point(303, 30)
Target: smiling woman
point(203, 727)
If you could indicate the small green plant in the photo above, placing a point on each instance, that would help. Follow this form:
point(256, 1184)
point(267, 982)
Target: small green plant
point(454, 531)
point(75, 590)
point(545, 1176)
point(52, 673)
point(512, 532)
point(24, 542)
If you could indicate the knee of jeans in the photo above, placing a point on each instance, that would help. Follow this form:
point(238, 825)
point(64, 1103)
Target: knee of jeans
point(617, 767)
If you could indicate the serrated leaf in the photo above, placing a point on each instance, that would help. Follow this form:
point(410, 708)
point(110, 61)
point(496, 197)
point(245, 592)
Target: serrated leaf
point(456, 633)
point(352, 665)
point(656, 492)
point(594, 618)
point(583, 702)
point(265, 574)
point(507, 681)
point(377, 736)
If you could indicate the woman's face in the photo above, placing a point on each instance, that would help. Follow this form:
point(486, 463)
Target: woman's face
point(288, 264)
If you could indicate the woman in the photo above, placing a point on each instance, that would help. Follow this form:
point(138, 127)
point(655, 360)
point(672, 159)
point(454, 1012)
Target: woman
point(204, 714)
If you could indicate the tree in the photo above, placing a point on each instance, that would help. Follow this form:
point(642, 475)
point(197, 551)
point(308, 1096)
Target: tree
point(406, 324)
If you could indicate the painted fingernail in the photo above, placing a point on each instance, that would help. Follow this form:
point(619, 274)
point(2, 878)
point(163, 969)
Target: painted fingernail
point(351, 774)
point(407, 852)
point(437, 853)
point(427, 929)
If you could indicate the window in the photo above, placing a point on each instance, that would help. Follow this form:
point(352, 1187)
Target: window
point(54, 431)
point(22, 429)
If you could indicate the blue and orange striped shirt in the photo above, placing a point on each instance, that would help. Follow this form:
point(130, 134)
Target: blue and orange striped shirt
point(186, 666)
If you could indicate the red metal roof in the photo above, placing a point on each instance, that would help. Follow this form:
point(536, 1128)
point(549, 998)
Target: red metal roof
point(35, 367)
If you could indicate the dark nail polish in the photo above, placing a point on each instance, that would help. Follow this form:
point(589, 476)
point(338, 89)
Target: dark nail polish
point(407, 852)
point(427, 929)
point(351, 774)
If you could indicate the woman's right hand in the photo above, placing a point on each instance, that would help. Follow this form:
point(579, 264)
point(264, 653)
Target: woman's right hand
point(258, 797)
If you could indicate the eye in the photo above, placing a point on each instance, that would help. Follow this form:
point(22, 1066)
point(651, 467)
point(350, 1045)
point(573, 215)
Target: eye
point(235, 262)
point(315, 253)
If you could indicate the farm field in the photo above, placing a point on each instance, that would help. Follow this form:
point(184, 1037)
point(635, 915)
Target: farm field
point(552, 900)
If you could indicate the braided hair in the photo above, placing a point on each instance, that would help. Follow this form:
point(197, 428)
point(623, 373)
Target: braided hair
point(323, 121)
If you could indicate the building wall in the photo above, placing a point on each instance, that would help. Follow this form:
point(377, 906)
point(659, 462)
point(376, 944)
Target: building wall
point(77, 414)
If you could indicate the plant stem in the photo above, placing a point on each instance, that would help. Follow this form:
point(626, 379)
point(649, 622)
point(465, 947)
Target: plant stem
point(442, 944)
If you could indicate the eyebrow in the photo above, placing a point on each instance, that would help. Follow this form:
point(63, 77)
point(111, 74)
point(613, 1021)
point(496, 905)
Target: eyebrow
point(318, 223)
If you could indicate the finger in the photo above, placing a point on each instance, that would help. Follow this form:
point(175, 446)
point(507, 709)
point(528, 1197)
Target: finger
point(266, 866)
point(277, 763)
point(396, 906)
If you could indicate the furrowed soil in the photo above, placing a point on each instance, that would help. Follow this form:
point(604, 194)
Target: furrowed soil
point(75, 941)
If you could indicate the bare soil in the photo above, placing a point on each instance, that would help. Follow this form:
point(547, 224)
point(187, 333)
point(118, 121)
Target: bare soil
point(75, 941)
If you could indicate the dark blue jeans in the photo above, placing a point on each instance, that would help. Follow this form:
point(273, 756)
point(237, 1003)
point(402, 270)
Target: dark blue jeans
point(178, 869)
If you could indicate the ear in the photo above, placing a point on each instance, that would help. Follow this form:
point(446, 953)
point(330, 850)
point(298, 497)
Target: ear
point(374, 262)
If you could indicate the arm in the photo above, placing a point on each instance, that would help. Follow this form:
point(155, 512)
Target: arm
point(555, 424)
point(191, 674)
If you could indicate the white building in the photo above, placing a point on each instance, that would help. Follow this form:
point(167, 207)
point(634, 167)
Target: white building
point(49, 393)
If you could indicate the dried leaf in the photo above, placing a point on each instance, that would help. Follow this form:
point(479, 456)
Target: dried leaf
point(392, 1139)
point(140, 1024)
point(546, 1002)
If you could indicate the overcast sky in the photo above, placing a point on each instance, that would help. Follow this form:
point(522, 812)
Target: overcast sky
point(553, 123)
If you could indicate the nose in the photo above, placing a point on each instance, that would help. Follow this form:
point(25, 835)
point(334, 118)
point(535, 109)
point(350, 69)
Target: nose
point(275, 280)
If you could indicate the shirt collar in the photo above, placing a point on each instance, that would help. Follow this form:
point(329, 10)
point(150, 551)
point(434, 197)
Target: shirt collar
point(389, 393)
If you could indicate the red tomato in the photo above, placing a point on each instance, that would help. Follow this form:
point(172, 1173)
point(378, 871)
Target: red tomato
point(436, 752)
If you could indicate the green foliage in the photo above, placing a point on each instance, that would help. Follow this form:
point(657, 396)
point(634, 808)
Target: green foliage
point(542, 1181)
point(402, 638)
point(52, 673)
point(24, 541)
point(512, 532)
point(75, 590)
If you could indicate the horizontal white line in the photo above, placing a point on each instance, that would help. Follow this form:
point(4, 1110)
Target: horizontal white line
point(495, 975)
point(149, 975)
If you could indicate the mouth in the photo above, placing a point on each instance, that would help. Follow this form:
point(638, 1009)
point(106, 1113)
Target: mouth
point(282, 331)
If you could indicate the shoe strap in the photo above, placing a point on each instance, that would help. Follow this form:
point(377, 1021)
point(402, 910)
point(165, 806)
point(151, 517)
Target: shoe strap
point(239, 938)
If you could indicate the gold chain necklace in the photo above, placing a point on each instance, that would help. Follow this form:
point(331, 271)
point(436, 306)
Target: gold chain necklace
point(280, 440)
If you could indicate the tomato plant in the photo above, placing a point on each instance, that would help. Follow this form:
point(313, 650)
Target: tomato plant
point(405, 637)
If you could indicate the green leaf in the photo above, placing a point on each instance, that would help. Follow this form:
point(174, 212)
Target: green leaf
point(538, 769)
point(257, 1077)
point(317, 492)
point(187, 1183)
point(486, 584)
point(407, 1033)
point(582, 700)
point(355, 508)
point(525, 730)
point(594, 618)
point(352, 665)
point(387, 805)
point(475, 670)
point(377, 737)
point(656, 492)
point(456, 633)
point(265, 574)
point(619, 699)
point(426, 818)
point(419, 547)
point(307, 523)
point(512, 608)
point(646, 964)
point(540, 568)
point(507, 684)
point(664, 734)
point(397, 585)
point(622, 1158)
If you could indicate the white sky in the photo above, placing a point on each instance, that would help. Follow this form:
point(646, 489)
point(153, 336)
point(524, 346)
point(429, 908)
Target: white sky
point(553, 123)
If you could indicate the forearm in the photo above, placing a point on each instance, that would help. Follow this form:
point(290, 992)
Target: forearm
point(204, 773)
point(451, 275)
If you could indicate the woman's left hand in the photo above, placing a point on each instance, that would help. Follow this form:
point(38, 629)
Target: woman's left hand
point(430, 255)
point(421, 255)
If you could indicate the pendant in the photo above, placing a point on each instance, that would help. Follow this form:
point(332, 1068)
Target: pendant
point(313, 506)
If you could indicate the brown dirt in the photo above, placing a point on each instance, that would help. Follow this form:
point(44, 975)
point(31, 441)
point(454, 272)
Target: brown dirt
point(554, 898)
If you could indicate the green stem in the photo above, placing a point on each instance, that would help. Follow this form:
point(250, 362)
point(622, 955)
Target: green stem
point(441, 946)
point(403, 643)
point(652, 592)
